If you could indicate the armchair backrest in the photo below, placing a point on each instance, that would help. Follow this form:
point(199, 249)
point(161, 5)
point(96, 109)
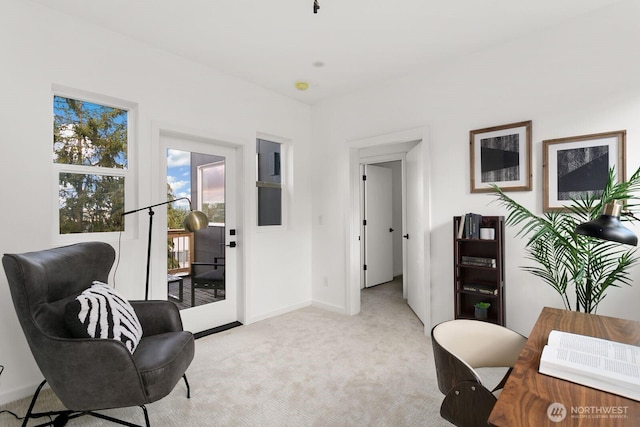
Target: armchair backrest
point(461, 346)
point(92, 373)
point(42, 282)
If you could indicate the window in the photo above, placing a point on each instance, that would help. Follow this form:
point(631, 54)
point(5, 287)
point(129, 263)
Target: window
point(211, 191)
point(269, 182)
point(91, 164)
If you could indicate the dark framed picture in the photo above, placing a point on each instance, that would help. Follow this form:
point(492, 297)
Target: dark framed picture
point(579, 165)
point(501, 155)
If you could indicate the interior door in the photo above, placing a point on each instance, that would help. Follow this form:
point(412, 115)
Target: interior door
point(416, 292)
point(378, 232)
point(208, 178)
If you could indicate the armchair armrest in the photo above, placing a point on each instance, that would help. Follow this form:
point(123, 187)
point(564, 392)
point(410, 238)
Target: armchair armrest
point(69, 363)
point(157, 317)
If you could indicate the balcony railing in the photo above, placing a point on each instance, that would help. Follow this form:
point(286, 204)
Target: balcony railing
point(180, 251)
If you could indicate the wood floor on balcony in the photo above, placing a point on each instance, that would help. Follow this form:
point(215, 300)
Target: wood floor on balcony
point(203, 296)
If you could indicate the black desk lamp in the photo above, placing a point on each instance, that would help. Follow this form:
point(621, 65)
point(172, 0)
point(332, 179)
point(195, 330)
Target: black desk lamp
point(195, 220)
point(608, 227)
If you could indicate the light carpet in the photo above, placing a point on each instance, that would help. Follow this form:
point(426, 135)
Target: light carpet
point(309, 367)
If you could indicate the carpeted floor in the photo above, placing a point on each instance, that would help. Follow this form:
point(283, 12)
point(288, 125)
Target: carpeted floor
point(306, 368)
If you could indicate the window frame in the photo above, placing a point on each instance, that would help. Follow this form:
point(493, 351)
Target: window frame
point(285, 152)
point(129, 173)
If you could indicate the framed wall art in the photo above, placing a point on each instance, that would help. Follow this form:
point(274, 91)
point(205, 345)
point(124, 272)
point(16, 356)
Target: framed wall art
point(501, 155)
point(579, 165)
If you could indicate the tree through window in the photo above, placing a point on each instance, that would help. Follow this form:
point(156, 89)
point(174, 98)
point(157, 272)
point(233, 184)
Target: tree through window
point(90, 155)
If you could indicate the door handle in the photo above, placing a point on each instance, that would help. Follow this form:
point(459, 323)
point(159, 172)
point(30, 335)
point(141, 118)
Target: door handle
point(231, 245)
point(391, 230)
point(406, 236)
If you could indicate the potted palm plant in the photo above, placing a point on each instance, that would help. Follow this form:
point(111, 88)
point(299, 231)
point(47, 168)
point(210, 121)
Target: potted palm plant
point(570, 261)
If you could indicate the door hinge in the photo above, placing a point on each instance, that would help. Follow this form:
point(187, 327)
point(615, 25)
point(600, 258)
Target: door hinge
point(364, 177)
point(364, 267)
point(364, 222)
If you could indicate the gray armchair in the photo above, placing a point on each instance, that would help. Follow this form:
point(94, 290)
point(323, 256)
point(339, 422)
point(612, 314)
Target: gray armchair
point(90, 374)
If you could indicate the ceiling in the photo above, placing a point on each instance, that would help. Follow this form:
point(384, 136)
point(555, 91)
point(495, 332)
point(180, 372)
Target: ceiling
point(348, 45)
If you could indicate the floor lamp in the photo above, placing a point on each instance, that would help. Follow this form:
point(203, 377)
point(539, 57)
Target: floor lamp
point(608, 227)
point(195, 220)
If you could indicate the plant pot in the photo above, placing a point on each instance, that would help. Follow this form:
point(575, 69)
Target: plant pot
point(481, 313)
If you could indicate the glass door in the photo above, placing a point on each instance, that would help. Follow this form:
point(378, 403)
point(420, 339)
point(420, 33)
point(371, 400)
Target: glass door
point(201, 265)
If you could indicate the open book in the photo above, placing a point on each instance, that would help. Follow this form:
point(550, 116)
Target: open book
point(602, 364)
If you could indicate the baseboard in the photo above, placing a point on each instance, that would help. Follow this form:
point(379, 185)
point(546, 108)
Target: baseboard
point(329, 307)
point(279, 312)
point(20, 393)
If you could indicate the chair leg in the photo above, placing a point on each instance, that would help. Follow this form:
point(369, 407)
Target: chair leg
point(184, 377)
point(61, 417)
point(33, 402)
point(119, 421)
point(146, 416)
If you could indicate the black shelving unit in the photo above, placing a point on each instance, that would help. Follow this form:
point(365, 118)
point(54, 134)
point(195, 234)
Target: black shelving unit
point(479, 270)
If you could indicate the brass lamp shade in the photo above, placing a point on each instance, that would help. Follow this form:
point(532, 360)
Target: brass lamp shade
point(195, 220)
point(608, 227)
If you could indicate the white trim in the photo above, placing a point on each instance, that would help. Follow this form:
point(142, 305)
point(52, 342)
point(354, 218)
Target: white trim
point(329, 307)
point(159, 128)
point(388, 146)
point(20, 392)
point(286, 181)
point(130, 173)
point(400, 156)
point(280, 311)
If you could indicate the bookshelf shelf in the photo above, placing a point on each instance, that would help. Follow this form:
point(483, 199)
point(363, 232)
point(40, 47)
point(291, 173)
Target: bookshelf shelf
point(479, 267)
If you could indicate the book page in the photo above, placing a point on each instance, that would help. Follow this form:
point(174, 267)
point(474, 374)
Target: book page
point(594, 362)
point(591, 364)
point(595, 346)
point(592, 371)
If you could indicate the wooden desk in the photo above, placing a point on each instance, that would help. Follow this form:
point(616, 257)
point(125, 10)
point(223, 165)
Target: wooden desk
point(528, 394)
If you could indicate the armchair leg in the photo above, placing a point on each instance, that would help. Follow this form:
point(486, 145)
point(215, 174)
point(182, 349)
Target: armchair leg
point(62, 417)
point(121, 422)
point(184, 377)
point(33, 402)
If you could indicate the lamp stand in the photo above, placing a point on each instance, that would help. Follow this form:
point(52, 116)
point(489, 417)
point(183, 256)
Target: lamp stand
point(146, 283)
point(195, 220)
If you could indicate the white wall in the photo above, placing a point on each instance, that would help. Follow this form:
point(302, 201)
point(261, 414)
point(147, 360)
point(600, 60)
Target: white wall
point(576, 79)
point(40, 48)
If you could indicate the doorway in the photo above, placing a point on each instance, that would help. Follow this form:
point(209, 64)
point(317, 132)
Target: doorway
point(202, 267)
point(411, 149)
point(382, 222)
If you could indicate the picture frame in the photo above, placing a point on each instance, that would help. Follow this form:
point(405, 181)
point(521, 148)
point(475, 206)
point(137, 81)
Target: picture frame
point(501, 155)
point(579, 164)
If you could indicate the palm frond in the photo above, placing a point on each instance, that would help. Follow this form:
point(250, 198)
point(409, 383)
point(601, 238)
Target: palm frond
point(566, 260)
